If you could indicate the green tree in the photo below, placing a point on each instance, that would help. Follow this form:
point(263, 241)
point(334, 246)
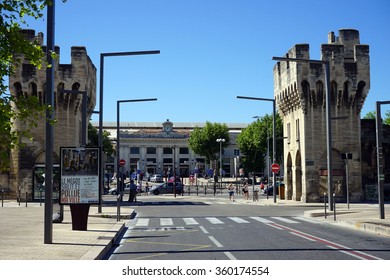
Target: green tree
point(372, 116)
point(203, 141)
point(253, 143)
point(25, 108)
point(93, 137)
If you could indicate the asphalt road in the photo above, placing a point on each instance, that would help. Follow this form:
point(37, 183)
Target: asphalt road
point(191, 228)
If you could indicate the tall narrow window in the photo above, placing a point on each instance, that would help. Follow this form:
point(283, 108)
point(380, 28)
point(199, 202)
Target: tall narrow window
point(297, 129)
point(288, 133)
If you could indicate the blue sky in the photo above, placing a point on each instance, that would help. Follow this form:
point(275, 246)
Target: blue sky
point(211, 51)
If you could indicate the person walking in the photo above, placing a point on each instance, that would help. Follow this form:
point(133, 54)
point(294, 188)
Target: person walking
point(133, 191)
point(231, 192)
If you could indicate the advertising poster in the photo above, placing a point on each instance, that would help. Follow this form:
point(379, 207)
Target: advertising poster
point(80, 175)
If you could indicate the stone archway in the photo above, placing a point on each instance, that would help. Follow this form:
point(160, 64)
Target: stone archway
point(289, 178)
point(298, 177)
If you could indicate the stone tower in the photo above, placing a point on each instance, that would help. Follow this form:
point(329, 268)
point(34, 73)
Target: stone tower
point(80, 75)
point(299, 90)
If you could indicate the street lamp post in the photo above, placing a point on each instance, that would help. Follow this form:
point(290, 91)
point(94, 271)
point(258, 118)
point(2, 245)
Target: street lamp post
point(120, 186)
point(48, 215)
point(328, 119)
point(101, 69)
point(273, 132)
point(220, 141)
point(379, 155)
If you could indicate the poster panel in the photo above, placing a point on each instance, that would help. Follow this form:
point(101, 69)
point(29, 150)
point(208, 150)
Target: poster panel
point(80, 175)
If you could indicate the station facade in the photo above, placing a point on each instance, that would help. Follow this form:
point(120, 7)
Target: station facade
point(157, 148)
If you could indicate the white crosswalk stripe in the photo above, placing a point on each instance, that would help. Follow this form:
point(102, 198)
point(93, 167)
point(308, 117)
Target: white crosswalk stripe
point(214, 221)
point(166, 222)
point(238, 220)
point(282, 219)
point(142, 222)
point(190, 221)
point(261, 220)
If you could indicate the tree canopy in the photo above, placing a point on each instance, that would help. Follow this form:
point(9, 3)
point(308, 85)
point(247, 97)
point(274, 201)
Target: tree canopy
point(93, 137)
point(203, 141)
point(253, 143)
point(372, 115)
point(26, 108)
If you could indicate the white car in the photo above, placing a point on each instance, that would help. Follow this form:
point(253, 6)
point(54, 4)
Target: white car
point(157, 178)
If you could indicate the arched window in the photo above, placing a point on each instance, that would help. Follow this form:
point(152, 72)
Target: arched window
point(346, 94)
point(333, 92)
point(18, 92)
point(32, 89)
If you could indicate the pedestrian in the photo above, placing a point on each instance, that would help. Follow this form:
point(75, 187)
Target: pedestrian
point(246, 191)
point(133, 191)
point(231, 192)
point(147, 188)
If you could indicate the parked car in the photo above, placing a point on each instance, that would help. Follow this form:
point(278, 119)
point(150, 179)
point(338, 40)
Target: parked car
point(166, 188)
point(157, 178)
point(114, 191)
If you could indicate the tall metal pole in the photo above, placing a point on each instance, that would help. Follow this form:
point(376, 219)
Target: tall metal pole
point(118, 145)
point(101, 177)
point(329, 136)
point(118, 138)
point(379, 157)
point(48, 217)
point(347, 177)
point(101, 69)
point(274, 147)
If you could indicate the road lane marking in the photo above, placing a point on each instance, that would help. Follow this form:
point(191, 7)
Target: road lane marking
point(238, 220)
point(230, 256)
point(190, 221)
point(142, 222)
point(341, 248)
point(204, 230)
point(215, 241)
point(262, 220)
point(285, 220)
point(214, 221)
point(166, 222)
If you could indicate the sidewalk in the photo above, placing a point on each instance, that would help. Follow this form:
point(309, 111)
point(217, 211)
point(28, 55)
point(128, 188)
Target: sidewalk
point(22, 233)
point(22, 228)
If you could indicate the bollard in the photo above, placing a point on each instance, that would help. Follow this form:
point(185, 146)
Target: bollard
point(2, 198)
point(334, 207)
point(118, 208)
point(197, 190)
point(26, 199)
point(325, 204)
point(205, 189)
point(40, 198)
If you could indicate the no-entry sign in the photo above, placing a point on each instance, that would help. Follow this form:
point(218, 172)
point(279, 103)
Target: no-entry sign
point(275, 168)
point(122, 162)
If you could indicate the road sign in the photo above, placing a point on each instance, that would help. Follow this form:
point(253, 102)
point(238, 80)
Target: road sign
point(275, 168)
point(122, 162)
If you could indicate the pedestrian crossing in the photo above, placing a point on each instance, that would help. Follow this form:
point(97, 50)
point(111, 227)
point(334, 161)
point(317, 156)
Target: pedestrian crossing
point(170, 222)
